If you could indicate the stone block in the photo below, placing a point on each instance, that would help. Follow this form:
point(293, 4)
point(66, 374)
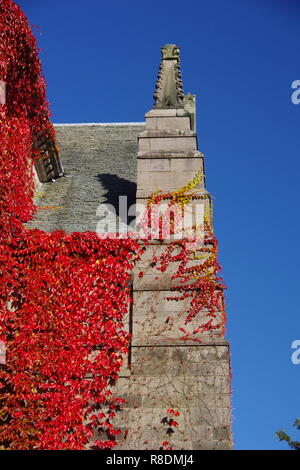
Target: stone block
point(147, 276)
point(175, 396)
point(218, 417)
point(187, 164)
point(165, 181)
point(203, 403)
point(168, 123)
point(222, 433)
point(147, 426)
point(204, 200)
point(176, 144)
point(150, 327)
point(154, 164)
point(167, 175)
point(206, 385)
point(148, 354)
point(152, 361)
point(161, 113)
point(211, 445)
point(177, 368)
point(132, 400)
point(211, 353)
point(170, 390)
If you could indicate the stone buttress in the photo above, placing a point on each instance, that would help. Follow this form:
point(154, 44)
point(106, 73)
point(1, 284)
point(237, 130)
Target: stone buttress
point(164, 370)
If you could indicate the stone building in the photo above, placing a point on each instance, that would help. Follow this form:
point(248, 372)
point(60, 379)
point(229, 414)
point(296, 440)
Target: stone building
point(162, 371)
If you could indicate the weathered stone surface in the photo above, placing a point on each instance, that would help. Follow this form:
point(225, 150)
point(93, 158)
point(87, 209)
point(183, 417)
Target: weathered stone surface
point(221, 432)
point(189, 102)
point(198, 210)
point(178, 368)
point(146, 334)
point(170, 154)
point(166, 133)
point(162, 123)
point(100, 161)
point(191, 379)
point(161, 113)
point(152, 277)
point(167, 175)
point(168, 143)
point(185, 164)
point(212, 445)
point(166, 372)
point(169, 93)
point(164, 182)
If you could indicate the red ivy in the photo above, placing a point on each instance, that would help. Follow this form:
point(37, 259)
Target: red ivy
point(62, 297)
point(64, 337)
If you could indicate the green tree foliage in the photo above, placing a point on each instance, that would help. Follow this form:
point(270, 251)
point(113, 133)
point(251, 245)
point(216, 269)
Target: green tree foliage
point(282, 436)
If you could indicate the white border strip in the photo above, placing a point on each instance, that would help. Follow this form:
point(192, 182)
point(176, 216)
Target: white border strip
point(101, 124)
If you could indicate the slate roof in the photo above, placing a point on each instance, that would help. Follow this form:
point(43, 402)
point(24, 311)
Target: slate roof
point(100, 161)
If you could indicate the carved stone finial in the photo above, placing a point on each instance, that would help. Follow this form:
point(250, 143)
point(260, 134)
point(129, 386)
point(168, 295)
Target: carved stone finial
point(189, 102)
point(169, 93)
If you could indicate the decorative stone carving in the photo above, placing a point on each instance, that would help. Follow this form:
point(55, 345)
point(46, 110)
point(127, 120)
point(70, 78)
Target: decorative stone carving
point(169, 92)
point(189, 102)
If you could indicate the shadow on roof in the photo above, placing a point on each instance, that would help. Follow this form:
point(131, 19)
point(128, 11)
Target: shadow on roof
point(116, 187)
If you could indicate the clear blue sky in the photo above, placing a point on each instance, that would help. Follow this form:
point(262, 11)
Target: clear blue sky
point(240, 58)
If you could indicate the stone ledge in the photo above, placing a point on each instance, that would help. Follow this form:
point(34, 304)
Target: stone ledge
point(170, 154)
point(167, 113)
point(161, 133)
point(173, 342)
point(143, 195)
point(184, 164)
